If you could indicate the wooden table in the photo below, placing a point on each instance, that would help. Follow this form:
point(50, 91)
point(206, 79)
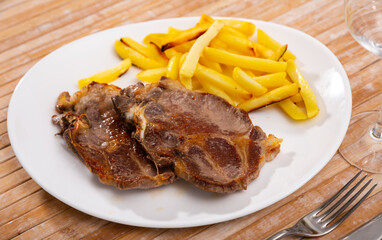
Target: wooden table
point(29, 30)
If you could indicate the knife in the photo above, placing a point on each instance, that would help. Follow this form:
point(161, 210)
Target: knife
point(372, 230)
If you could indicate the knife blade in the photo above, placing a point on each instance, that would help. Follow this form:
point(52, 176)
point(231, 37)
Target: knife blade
point(372, 230)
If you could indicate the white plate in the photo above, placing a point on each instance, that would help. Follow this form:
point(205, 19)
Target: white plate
point(307, 145)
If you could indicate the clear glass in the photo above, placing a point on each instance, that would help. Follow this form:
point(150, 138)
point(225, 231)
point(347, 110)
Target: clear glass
point(362, 146)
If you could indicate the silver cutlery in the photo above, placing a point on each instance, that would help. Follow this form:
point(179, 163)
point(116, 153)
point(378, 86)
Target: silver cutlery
point(320, 221)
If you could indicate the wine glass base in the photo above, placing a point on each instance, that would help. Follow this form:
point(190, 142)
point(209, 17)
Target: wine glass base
point(360, 148)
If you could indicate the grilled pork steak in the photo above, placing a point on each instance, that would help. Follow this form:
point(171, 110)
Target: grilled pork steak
point(94, 131)
point(207, 141)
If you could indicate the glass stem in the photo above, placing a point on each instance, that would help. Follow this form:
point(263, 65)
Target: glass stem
point(377, 129)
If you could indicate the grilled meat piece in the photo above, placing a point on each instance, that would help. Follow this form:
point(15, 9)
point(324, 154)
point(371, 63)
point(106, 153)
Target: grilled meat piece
point(207, 141)
point(94, 131)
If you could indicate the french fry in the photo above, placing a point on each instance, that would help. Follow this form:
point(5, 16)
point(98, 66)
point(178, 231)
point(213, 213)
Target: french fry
point(306, 92)
point(205, 19)
point(136, 58)
point(196, 85)
point(279, 53)
point(242, 45)
point(107, 76)
point(219, 44)
point(271, 43)
point(247, 62)
point(273, 80)
point(221, 81)
point(236, 99)
point(173, 67)
point(182, 58)
point(152, 75)
point(297, 98)
point(186, 82)
point(248, 83)
point(259, 73)
point(233, 31)
point(227, 70)
point(292, 110)
point(172, 40)
point(172, 30)
point(135, 45)
point(155, 38)
point(211, 64)
point(184, 47)
point(170, 52)
point(249, 73)
point(188, 67)
point(209, 88)
point(154, 52)
point(262, 51)
point(275, 95)
point(247, 28)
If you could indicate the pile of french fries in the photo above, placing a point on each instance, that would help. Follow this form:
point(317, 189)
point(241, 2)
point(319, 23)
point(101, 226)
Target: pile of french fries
point(220, 57)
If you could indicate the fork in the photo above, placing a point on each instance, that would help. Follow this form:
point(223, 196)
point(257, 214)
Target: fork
point(315, 224)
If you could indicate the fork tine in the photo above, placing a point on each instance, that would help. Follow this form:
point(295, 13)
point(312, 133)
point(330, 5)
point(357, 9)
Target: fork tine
point(332, 217)
point(346, 215)
point(342, 199)
point(330, 200)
